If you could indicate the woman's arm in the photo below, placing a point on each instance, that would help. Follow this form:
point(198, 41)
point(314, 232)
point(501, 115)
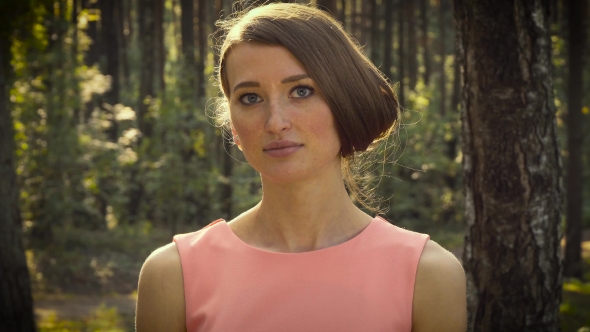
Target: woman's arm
point(440, 299)
point(160, 294)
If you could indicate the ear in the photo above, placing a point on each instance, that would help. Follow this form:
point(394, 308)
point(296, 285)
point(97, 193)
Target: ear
point(236, 138)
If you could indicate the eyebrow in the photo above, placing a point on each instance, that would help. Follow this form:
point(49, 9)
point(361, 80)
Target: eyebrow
point(250, 84)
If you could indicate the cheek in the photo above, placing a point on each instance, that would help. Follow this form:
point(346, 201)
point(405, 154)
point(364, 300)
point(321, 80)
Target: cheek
point(325, 129)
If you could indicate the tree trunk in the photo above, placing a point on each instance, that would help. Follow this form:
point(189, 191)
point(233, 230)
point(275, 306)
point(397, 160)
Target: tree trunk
point(511, 166)
point(108, 18)
point(16, 302)
point(401, 58)
point(188, 45)
point(424, 40)
point(146, 74)
point(124, 19)
point(412, 46)
point(328, 5)
point(217, 33)
point(146, 93)
point(353, 19)
point(127, 26)
point(456, 94)
point(203, 47)
point(92, 32)
point(342, 13)
point(160, 56)
point(375, 22)
point(576, 42)
point(388, 40)
point(442, 24)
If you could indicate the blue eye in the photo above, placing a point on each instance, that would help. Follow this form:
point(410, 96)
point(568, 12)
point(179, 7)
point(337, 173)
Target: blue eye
point(250, 98)
point(301, 92)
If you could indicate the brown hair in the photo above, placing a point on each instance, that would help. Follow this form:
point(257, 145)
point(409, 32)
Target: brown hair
point(362, 101)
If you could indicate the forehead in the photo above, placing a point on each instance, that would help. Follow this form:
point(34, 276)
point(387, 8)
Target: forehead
point(259, 61)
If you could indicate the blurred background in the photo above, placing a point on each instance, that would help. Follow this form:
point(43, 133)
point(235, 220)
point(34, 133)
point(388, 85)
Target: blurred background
point(116, 151)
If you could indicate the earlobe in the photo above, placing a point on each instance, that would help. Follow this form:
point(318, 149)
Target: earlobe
point(236, 138)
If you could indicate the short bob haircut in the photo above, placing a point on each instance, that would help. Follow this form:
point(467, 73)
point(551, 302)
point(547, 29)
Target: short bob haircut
point(363, 103)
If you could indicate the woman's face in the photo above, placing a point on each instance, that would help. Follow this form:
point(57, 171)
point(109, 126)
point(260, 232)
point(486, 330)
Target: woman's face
point(283, 124)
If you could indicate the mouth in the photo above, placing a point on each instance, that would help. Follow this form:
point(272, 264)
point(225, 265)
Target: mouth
point(282, 144)
point(280, 149)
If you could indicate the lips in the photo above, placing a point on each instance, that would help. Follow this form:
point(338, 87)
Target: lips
point(282, 148)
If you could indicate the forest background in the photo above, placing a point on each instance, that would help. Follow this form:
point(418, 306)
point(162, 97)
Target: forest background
point(116, 151)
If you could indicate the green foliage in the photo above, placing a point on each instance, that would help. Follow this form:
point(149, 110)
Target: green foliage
point(424, 181)
point(95, 261)
point(103, 319)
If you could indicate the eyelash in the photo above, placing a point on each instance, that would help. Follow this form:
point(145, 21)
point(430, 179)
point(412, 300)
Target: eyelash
point(310, 89)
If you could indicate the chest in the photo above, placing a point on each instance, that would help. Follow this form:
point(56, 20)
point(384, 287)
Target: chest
point(337, 293)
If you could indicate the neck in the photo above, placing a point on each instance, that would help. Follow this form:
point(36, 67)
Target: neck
point(303, 216)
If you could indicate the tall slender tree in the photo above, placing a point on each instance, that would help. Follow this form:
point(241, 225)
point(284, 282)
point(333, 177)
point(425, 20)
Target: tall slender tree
point(16, 302)
point(375, 35)
point(412, 45)
point(123, 39)
point(354, 18)
point(424, 40)
point(576, 41)
point(388, 40)
point(188, 46)
point(147, 66)
point(401, 51)
point(203, 47)
point(108, 20)
point(92, 31)
point(342, 12)
point(511, 166)
point(160, 55)
point(442, 52)
point(329, 6)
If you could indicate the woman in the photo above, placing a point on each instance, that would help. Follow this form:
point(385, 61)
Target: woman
point(303, 104)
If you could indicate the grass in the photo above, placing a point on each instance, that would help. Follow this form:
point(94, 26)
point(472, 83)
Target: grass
point(575, 305)
point(93, 262)
point(103, 319)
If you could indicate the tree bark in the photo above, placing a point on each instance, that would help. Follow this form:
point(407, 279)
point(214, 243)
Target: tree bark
point(124, 19)
point(216, 32)
point(328, 5)
point(412, 46)
point(401, 58)
point(203, 47)
point(362, 18)
point(442, 24)
point(160, 56)
point(511, 166)
point(424, 41)
point(146, 75)
point(388, 40)
point(375, 22)
point(188, 45)
point(576, 12)
point(456, 94)
point(353, 19)
point(342, 13)
point(108, 18)
point(16, 302)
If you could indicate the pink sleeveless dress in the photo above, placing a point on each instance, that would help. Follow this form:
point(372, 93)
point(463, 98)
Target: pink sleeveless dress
point(363, 284)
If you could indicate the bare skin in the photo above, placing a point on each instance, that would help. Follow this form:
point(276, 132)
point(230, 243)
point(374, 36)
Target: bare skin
point(305, 205)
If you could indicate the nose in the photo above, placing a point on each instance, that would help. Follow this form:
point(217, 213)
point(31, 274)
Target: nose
point(278, 118)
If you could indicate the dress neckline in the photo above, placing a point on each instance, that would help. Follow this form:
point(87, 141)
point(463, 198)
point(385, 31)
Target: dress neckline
point(341, 246)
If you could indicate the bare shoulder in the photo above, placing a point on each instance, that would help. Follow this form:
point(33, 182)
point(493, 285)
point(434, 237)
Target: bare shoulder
point(160, 294)
point(440, 300)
